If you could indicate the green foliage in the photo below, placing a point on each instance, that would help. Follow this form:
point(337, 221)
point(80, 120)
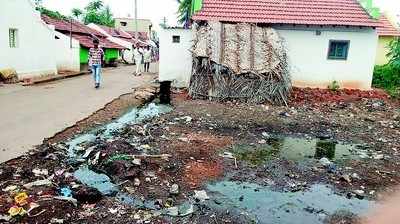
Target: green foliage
point(96, 12)
point(119, 157)
point(394, 53)
point(185, 12)
point(51, 14)
point(388, 76)
point(334, 86)
point(77, 13)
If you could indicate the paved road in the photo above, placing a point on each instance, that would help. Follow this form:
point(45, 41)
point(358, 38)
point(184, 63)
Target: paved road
point(30, 114)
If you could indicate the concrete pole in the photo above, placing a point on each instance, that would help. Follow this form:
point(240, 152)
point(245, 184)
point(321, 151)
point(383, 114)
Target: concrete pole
point(136, 24)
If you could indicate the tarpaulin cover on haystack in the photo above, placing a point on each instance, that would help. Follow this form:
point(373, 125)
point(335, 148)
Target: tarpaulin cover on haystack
point(240, 61)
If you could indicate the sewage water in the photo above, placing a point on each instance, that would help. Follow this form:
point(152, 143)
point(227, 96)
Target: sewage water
point(95, 180)
point(101, 181)
point(267, 206)
point(134, 116)
point(296, 149)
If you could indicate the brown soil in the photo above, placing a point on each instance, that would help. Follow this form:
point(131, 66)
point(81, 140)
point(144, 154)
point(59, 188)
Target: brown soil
point(198, 172)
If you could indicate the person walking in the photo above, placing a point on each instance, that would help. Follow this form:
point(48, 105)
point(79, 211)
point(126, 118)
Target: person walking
point(147, 59)
point(138, 57)
point(96, 56)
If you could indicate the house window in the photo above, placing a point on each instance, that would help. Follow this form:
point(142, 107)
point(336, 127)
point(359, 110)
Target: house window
point(338, 49)
point(123, 23)
point(13, 38)
point(176, 39)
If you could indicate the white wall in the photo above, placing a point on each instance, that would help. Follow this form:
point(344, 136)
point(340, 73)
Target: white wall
point(308, 56)
point(34, 55)
point(67, 58)
point(128, 54)
point(175, 58)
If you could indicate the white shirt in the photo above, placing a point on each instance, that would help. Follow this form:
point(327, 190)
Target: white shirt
point(137, 54)
point(147, 56)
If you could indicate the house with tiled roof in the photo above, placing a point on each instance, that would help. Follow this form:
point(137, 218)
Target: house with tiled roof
point(324, 40)
point(387, 32)
point(84, 35)
point(123, 38)
point(26, 42)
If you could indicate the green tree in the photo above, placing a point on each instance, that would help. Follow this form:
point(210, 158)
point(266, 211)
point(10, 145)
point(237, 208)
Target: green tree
point(394, 54)
point(95, 5)
point(185, 12)
point(96, 12)
point(51, 13)
point(77, 13)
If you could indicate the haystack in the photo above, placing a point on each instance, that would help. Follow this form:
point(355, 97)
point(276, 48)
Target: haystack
point(242, 62)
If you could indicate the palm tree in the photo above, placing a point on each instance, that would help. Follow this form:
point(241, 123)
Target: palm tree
point(185, 12)
point(94, 5)
point(77, 13)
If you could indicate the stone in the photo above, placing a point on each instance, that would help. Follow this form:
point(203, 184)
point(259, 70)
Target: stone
point(345, 178)
point(45, 182)
point(201, 196)
point(88, 195)
point(136, 182)
point(40, 172)
point(56, 221)
point(325, 162)
point(174, 190)
point(137, 162)
point(360, 194)
point(261, 142)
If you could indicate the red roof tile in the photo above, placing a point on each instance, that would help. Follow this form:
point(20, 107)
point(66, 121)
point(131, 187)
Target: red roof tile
point(87, 41)
point(304, 12)
point(387, 29)
point(77, 27)
point(116, 32)
point(142, 35)
point(81, 32)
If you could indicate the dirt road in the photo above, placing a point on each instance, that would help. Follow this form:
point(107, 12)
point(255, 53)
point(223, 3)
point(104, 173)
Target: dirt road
point(30, 114)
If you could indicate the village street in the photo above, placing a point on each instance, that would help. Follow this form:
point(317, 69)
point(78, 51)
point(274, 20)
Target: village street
point(239, 112)
point(30, 114)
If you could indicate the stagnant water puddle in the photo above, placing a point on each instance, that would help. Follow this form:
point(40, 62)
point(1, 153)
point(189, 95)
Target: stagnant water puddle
point(298, 149)
point(103, 184)
point(264, 205)
point(135, 116)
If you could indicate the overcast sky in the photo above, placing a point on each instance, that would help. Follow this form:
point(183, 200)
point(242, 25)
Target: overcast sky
point(154, 10)
point(157, 9)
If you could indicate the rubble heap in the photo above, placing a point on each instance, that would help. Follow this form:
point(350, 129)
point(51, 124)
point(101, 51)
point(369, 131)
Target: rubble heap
point(240, 61)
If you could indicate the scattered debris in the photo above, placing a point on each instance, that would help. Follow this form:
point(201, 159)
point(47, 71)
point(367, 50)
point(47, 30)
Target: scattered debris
point(45, 182)
point(201, 196)
point(174, 190)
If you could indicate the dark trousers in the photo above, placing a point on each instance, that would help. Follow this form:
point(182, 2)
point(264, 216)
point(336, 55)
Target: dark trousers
point(146, 66)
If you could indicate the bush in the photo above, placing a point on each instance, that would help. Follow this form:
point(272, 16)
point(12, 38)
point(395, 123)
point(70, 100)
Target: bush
point(387, 77)
point(334, 86)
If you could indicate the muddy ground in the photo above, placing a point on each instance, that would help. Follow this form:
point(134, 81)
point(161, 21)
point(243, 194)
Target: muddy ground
point(200, 144)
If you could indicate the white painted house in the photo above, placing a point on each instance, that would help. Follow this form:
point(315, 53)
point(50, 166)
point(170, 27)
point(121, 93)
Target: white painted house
point(67, 53)
point(175, 56)
point(26, 42)
point(326, 40)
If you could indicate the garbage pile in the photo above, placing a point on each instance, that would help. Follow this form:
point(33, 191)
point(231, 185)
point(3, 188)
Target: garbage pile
point(8, 76)
point(209, 162)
